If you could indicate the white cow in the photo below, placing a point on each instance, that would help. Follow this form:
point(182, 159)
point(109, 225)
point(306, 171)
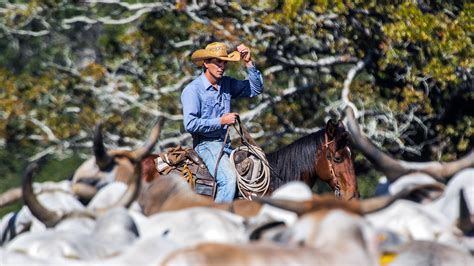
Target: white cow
point(110, 235)
point(296, 191)
point(195, 225)
point(320, 238)
point(430, 253)
point(149, 251)
point(57, 196)
point(448, 203)
point(433, 221)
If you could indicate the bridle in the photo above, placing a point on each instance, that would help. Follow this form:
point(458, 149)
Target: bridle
point(330, 159)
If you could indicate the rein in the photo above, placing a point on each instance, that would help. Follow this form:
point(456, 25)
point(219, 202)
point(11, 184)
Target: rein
point(221, 152)
point(329, 158)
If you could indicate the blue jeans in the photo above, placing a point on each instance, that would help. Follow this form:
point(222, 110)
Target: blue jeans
point(226, 179)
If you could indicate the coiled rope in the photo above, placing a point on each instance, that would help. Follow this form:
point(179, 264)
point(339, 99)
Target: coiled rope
point(258, 182)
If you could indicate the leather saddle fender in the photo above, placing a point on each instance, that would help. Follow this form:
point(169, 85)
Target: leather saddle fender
point(187, 163)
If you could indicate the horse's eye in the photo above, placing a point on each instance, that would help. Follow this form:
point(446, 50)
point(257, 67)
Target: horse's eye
point(338, 159)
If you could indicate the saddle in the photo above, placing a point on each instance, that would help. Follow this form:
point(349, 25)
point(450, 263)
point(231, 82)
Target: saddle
point(190, 166)
point(186, 162)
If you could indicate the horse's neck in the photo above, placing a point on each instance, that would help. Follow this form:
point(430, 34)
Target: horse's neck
point(295, 162)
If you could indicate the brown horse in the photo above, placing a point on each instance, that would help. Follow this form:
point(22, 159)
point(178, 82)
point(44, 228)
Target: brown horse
point(324, 154)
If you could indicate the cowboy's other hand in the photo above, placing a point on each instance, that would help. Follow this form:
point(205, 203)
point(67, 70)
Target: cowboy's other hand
point(229, 118)
point(244, 53)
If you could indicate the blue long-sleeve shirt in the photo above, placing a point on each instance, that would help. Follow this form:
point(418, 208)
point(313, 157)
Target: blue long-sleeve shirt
point(203, 105)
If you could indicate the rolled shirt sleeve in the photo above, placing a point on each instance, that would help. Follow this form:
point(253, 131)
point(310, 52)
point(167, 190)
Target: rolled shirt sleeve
point(251, 87)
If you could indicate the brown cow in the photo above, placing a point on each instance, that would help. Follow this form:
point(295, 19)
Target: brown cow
point(111, 165)
point(171, 192)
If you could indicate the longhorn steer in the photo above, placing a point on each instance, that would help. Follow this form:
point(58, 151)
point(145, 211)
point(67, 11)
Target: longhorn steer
point(145, 252)
point(321, 204)
point(56, 195)
point(111, 234)
point(76, 234)
point(196, 225)
point(50, 218)
point(321, 246)
point(430, 253)
point(171, 192)
point(72, 215)
point(448, 203)
point(106, 166)
point(436, 220)
point(444, 210)
point(110, 165)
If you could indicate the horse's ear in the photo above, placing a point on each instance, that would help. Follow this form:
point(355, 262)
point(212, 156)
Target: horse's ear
point(343, 141)
point(331, 126)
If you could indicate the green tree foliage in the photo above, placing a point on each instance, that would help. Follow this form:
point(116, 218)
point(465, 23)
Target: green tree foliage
point(64, 65)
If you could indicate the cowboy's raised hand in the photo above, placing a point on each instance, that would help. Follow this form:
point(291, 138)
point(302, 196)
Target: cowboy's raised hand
point(245, 54)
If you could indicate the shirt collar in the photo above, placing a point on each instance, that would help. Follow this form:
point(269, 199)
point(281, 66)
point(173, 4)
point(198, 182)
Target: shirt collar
point(207, 84)
point(205, 81)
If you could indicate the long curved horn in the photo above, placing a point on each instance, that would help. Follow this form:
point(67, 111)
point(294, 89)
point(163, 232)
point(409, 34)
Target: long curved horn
point(375, 204)
point(133, 188)
point(140, 153)
point(257, 232)
point(298, 207)
point(330, 203)
point(315, 204)
point(393, 168)
point(47, 217)
point(464, 222)
point(386, 164)
point(102, 159)
point(361, 207)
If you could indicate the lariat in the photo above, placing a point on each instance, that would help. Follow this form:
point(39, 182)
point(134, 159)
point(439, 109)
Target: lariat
point(253, 172)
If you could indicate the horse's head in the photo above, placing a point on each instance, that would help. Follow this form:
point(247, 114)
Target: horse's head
point(335, 165)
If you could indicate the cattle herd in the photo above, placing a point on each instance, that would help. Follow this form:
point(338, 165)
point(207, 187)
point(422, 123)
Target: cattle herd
point(108, 215)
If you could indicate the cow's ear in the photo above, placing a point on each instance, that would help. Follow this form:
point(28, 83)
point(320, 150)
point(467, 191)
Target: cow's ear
point(331, 126)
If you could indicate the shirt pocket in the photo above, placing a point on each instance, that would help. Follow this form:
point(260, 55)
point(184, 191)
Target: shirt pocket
point(225, 103)
point(208, 108)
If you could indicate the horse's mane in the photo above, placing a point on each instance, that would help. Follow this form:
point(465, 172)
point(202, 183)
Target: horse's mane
point(291, 162)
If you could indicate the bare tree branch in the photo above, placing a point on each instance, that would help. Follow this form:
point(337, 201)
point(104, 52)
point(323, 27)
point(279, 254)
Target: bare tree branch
point(296, 61)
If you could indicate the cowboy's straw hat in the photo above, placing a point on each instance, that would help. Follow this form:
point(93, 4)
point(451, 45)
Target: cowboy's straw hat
point(214, 50)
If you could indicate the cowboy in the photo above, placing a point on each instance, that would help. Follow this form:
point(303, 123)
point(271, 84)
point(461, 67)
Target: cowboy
point(206, 109)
